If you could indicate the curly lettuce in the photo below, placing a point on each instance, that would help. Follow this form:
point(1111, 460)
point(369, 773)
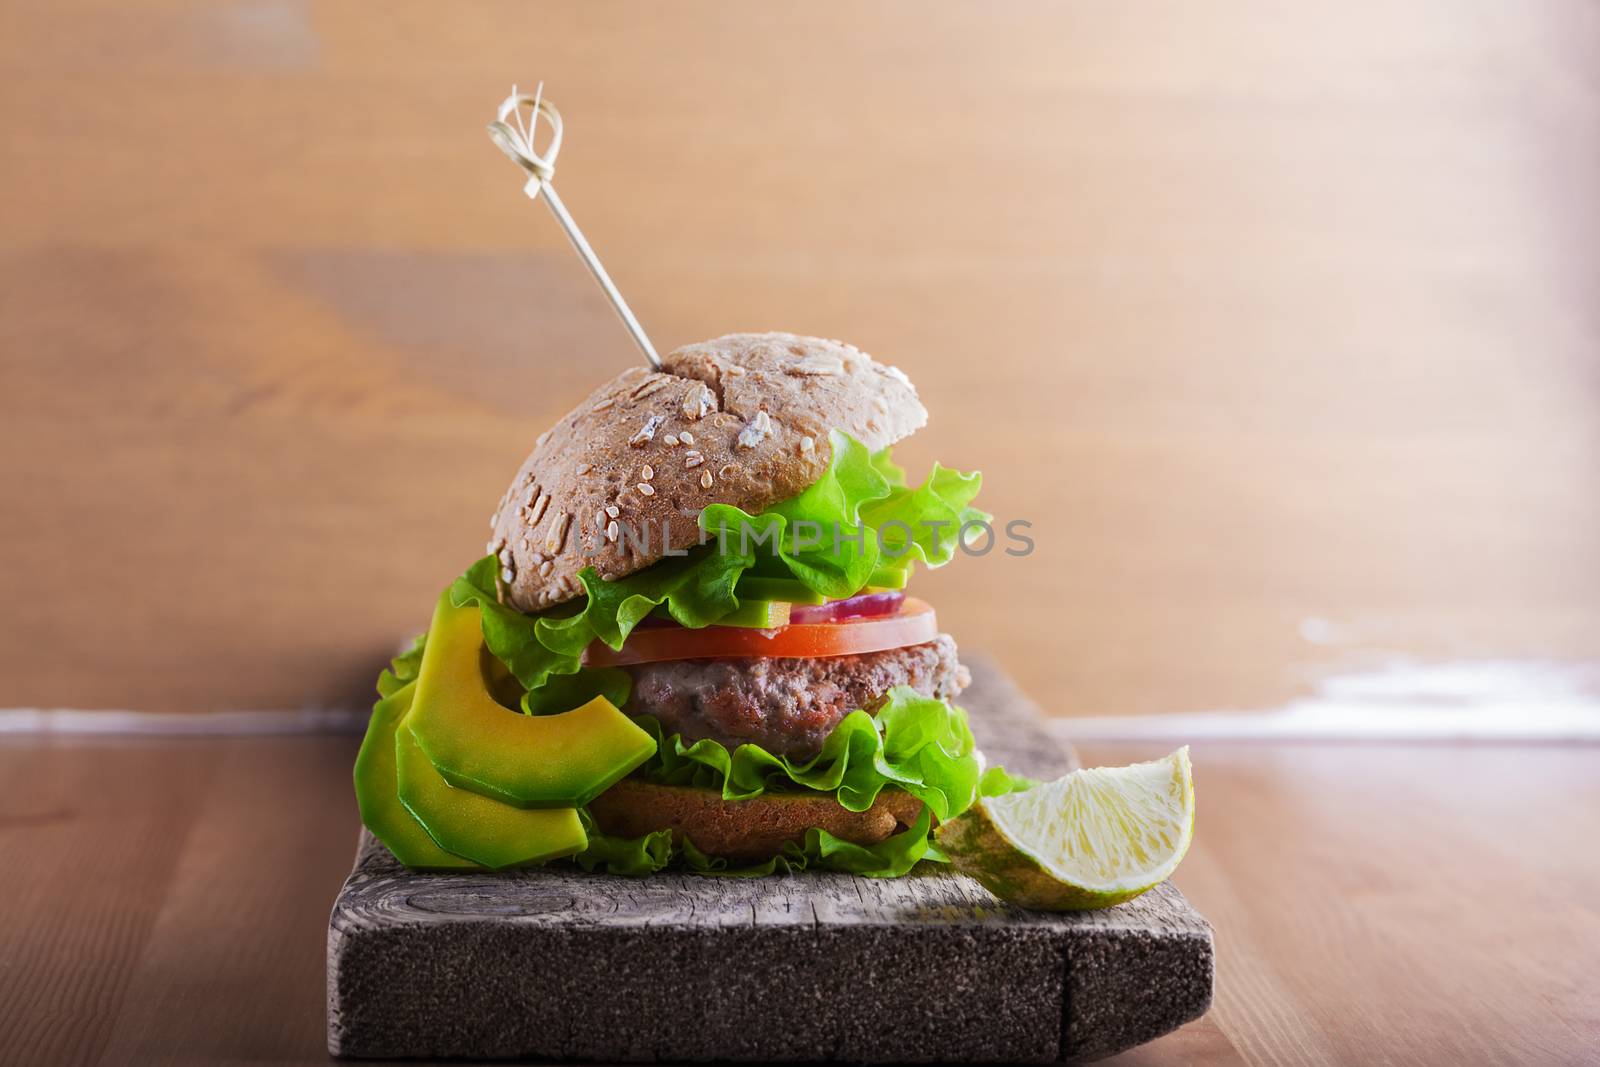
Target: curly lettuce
point(859, 520)
point(403, 669)
point(916, 743)
point(639, 856)
point(889, 858)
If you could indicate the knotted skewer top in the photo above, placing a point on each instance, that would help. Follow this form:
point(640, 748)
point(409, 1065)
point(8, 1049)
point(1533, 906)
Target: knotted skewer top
point(517, 141)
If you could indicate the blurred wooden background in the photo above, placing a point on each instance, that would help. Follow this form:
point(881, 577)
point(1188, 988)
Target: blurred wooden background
point(1279, 322)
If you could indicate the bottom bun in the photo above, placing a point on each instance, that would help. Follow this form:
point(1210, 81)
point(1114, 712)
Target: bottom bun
point(753, 829)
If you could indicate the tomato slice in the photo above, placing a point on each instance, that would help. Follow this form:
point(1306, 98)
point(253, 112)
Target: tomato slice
point(913, 624)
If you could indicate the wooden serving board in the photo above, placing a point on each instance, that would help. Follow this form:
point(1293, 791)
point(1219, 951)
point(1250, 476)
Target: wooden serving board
point(557, 964)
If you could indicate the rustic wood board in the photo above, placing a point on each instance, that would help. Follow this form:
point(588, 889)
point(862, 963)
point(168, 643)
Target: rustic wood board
point(558, 964)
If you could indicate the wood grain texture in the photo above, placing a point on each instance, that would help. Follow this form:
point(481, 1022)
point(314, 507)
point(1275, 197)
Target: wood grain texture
point(1260, 313)
point(1399, 903)
point(165, 901)
point(1387, 902)
point(554, 963)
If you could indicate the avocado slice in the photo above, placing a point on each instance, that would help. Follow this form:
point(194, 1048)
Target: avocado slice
point(529, 761)
point(753, 614)
point(378, 800)
point(888, 578)
point(487, 831)
point(792, 590)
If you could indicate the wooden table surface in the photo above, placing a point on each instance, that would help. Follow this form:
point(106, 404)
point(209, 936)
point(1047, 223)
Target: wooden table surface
point(1266, 315)
point(1417, 905)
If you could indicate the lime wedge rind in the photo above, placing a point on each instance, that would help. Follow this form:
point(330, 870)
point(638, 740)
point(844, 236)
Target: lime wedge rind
point(1091, 839)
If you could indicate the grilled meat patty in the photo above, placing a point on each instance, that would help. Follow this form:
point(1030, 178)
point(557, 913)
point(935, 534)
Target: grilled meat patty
point(787, 706)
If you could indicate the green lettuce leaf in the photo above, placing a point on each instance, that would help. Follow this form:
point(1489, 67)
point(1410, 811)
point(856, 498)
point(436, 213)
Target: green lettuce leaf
point(888, 469)
point(860, 516)
point(818, 536)
point(915, 743)
point(632, 856)
point(697, 590)
point(541, 650)
point(924, 524)
point(889, 858)
point(533, 647)
point(403, 669)
point(919, 744)
point(912, 730)
point(997, 781)
point(563, 692)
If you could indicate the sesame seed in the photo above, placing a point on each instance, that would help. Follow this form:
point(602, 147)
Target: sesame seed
point(686, 437)
point(541, 439)
point(705, 479)
point(734, 371)
point(494, 520)
point(613, 510)
point(698, 402)
point(807, 444)
point(506, 574)
point(671, 439)
point(647, 472)
point(897, 374)
point(881, 404)
point(558, 532)
point(611, 530)
point(646, 489)
point(536, 512)
point(647, 432)
point(818, 366)
point(758, 430)
point(604, 404)
point(546, 567)
point(600, 520)
point(650, 385)
point(693, 460)
point(505, 556)
point(584, 468)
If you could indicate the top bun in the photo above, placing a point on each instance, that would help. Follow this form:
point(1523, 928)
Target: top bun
point(741, 420)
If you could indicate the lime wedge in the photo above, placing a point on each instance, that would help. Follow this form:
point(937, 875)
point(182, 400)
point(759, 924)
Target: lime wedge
point(1090, 839)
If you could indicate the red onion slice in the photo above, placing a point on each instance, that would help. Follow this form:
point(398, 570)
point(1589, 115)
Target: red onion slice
point(856, 607)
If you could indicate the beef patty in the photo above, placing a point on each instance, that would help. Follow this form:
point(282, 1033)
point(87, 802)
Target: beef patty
point(787, 706)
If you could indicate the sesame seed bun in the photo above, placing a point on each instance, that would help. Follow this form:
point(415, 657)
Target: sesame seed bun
point(746, 830)
point(741, 420)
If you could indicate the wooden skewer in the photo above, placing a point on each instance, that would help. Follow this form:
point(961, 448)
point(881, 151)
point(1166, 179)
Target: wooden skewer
point(517, 143)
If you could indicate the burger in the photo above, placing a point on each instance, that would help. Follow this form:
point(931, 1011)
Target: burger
point(691, 641)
